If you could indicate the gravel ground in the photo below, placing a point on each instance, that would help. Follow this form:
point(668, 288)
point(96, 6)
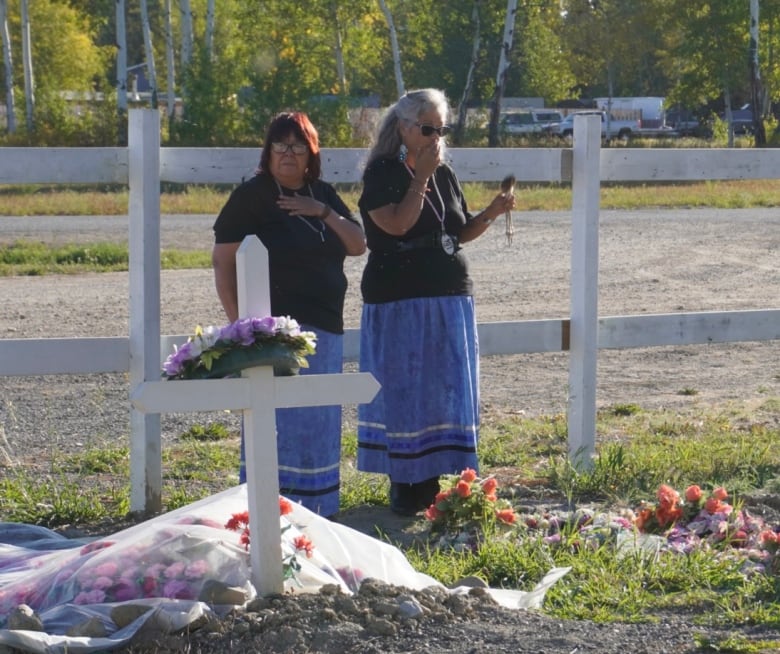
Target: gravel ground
point(651, 262)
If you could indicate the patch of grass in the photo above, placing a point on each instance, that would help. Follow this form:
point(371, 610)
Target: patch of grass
point(33, 259)
point(198, 199)
point(202, 461)
point(214, 431)
point(55, 500)
point(687, 391)
point(112, 460)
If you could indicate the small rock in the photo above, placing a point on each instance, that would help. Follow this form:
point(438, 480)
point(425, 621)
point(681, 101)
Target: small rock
point(92, 628)
point(23, 618)
point(216, 592)
point(410, 609)
point(124, 614)
point(470, 582)
point(380, 627)
point(385, 607)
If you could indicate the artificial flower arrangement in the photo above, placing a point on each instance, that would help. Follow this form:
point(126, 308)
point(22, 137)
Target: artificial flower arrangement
point(674, 523)
point(181, 559)
point(467, 500)
point(240, 522)
point(214, 352)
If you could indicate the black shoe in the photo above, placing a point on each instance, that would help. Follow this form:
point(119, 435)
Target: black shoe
point(425, 492)
point(403, 499)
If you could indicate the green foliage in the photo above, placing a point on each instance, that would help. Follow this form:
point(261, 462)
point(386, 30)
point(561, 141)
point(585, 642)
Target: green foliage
point(281, 55)
point(214, 431)
point(51, 501)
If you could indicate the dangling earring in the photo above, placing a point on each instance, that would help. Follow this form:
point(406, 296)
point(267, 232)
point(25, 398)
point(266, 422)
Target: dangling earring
point(402, 153)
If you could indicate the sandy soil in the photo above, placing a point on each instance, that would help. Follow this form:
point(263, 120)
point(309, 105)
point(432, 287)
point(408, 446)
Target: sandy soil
point(651, 262)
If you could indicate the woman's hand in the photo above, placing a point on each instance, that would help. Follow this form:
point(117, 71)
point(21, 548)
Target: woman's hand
point(500, 204)
point(303, 205)
point(427, 159)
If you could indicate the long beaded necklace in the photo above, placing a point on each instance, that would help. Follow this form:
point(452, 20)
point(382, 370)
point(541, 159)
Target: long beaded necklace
point(320, 229)
point(447, 244)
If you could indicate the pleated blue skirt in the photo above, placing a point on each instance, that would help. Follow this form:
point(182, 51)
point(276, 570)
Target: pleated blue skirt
point(424, 422)
point(309, 439)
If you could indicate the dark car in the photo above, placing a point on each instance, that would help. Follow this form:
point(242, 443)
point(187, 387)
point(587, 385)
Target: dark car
point(684, 122)
point(741, 120)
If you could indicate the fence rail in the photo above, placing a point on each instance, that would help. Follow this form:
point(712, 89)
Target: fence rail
point(144, 165)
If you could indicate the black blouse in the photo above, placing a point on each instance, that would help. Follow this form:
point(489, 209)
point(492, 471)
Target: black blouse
point(305, 258)
point(394, 273)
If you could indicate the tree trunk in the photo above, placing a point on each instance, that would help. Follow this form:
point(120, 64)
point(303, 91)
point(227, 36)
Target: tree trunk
point(729, 116)
point(340, 68)
point(29, 83)
point(503, 66)
point(460, 127)
point(121, 60)
point(10, 109)
point(169, 59)
point(399, 80)
point(151, 71)
point(755, 79)
point(186, 32)
point(210, 17)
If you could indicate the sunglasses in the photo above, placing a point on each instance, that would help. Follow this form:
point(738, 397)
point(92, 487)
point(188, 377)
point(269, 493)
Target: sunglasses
point(297, 148)
point(428, 130)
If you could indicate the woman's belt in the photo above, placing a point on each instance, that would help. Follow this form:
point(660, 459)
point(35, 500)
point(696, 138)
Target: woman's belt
point(426, 241)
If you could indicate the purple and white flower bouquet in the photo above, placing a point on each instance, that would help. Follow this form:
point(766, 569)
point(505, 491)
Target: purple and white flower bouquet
point(214, 352)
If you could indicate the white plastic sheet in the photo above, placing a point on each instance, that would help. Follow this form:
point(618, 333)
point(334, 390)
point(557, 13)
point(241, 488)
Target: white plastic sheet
point(166, 562)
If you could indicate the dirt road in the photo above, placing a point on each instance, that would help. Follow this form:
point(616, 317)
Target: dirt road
point(651, 262)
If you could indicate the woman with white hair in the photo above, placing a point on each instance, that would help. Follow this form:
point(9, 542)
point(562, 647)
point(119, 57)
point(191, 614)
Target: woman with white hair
point(418, 328)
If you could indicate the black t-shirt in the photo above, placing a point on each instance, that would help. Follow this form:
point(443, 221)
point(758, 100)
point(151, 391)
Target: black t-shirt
point(391, 275)
point(305, 258)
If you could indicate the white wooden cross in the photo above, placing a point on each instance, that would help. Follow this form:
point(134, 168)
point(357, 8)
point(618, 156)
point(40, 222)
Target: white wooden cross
point(257, 393)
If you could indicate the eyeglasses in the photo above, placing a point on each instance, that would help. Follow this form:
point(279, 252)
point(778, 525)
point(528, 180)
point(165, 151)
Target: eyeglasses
point(428, 130)
point(297, 148)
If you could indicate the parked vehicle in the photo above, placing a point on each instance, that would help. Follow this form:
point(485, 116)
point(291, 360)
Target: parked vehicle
point(651, 110)
point(684, 122)
point(529, 122)
point(614, 128)
point(741, 120)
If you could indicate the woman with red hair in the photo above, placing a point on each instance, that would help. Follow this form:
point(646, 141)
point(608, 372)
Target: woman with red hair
point(308, 231)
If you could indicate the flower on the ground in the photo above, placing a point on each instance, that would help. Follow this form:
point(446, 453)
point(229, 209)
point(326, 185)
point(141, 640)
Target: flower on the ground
point(290, 564)
point(195, 358)
point(466, 500)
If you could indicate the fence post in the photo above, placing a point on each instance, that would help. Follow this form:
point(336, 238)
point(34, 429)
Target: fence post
point(584, 288)
point(144, 314)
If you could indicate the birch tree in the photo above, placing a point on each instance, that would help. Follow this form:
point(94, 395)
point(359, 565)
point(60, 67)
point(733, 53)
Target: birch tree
point(151, 71)
point(503, 66)
point(187, 33)
point(460, 126)
point(121, 58)
point(10, 109)
point(755, 79)
point(170, 61)
point(29, 83)
point(210, 18)
point(339, 49)
point(400, 87)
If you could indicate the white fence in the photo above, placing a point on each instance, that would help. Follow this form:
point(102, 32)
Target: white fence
point(143, 165)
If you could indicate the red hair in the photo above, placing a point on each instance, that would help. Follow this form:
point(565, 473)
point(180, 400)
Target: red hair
point(298, 124)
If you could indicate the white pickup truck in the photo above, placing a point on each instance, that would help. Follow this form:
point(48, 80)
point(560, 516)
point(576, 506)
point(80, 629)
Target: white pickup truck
point(614, 128)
